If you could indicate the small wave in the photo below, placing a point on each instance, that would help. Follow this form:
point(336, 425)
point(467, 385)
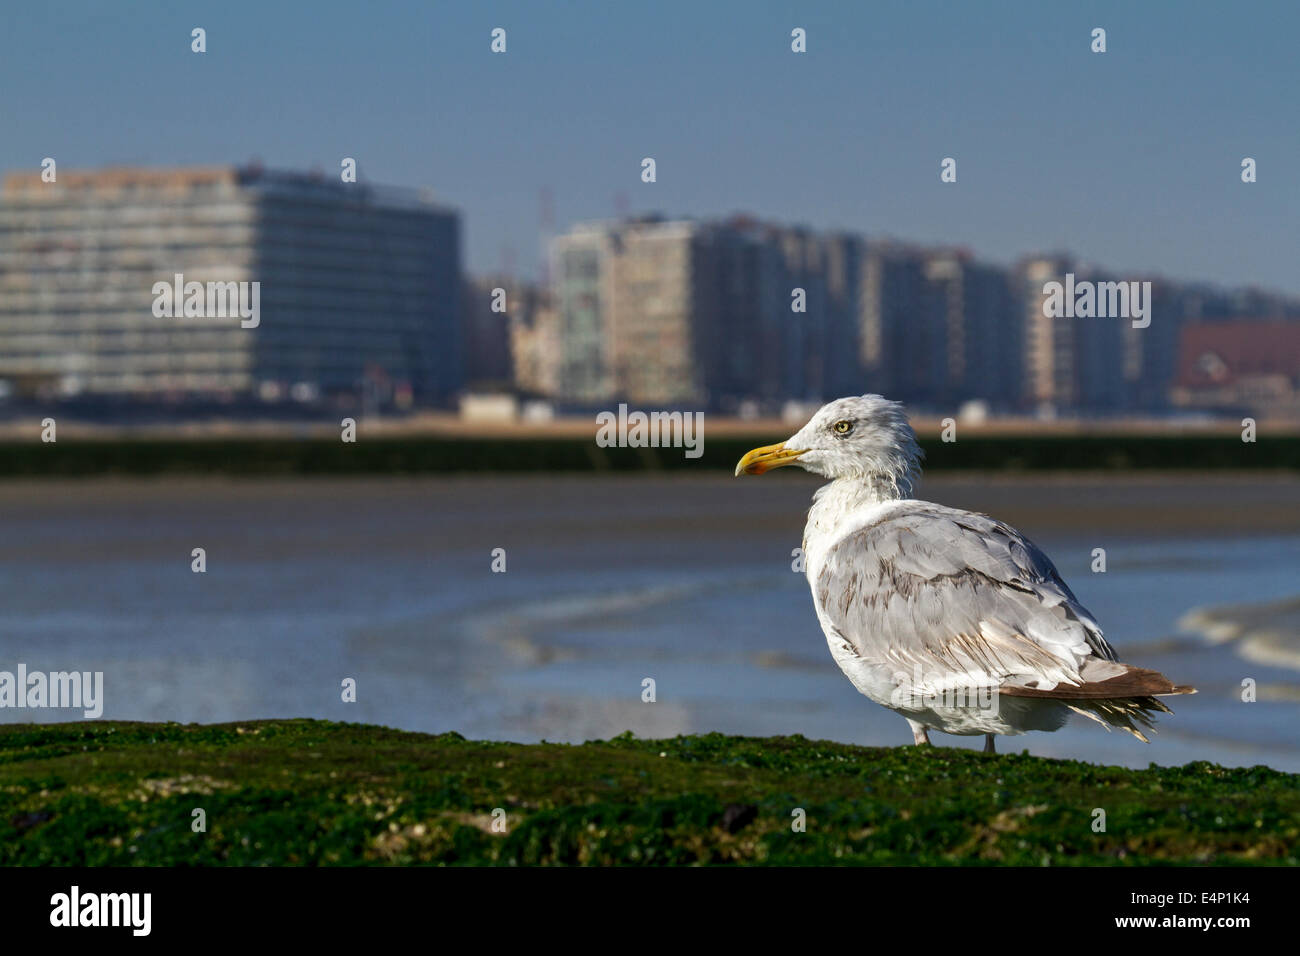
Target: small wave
point(1267, 633)
point(524, 628)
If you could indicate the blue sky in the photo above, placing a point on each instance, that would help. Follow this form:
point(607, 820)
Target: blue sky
point(1130, 159)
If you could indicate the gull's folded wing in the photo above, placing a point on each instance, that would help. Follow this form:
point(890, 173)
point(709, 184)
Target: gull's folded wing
point(961, 598)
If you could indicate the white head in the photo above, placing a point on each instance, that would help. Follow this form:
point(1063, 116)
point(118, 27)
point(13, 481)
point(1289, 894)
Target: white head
point(864, 437)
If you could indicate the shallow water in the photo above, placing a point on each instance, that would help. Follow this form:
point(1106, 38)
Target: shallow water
point(608, 581)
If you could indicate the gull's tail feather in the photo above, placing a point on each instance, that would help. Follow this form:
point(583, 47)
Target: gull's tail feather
point(1127, 701)
point(1131, 714)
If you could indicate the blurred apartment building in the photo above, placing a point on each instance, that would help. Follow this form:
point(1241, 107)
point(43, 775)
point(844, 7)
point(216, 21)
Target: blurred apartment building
point(359, 287)
point(511, 336)
point(1069, 362)
point(485, 303)
point(937, 327)
point(630, 298)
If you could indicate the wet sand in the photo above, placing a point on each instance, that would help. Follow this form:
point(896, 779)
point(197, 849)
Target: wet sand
point(463, 510)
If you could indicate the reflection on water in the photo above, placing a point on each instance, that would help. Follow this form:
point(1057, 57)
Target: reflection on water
point(609, 581)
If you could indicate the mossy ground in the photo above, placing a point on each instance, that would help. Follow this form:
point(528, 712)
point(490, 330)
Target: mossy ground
point(282, 792)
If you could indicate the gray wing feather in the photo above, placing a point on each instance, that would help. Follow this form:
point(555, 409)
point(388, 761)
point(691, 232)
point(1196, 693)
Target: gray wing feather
point(956, 593)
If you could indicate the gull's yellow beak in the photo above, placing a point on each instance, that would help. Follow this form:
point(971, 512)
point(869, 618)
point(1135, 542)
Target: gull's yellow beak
point(766, 458)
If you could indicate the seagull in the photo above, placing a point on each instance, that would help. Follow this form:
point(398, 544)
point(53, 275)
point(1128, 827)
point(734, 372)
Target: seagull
point(951, 618)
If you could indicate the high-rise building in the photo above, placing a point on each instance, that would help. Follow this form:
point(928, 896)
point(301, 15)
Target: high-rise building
point(1072, 363)
point(633, 300)
point(658, 314)
point(897, 338)
point(844, 278)
point(1150, 354)
point(355, 284)
point(1048, 341)
point(534, 341)
point(582, 292)
point(973, 331)
point(486, 305)
point(803, 346)
point(993, 368)
point(748, 318)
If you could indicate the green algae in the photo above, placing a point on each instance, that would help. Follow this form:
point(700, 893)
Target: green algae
point(306, 792)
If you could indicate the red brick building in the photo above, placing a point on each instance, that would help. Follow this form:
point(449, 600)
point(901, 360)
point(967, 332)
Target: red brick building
point(1247, 365)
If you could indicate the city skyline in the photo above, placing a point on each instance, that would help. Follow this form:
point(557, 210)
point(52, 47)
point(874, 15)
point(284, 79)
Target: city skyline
point(367, 300)
point(754, 216)
point(1106, 159)
point(674, 312)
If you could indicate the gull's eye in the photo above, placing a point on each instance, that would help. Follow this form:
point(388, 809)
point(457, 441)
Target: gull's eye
point(842, 427)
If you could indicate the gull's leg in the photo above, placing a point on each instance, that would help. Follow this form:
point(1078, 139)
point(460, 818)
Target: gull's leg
point(920, 734)
point(988, 744)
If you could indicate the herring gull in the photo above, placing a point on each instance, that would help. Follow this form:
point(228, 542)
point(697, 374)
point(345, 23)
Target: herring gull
point(950, 618)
